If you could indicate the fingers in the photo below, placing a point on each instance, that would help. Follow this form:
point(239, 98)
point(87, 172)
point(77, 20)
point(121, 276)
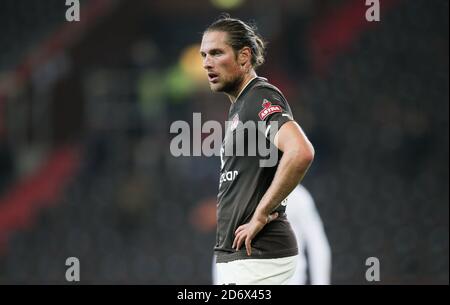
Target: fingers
point(243, 237)
point(248, 246)
point(240, 229)
point(238, 240)
point(234, 242)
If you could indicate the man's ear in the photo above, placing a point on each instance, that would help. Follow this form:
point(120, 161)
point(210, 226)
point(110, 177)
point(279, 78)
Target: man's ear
point(245, 55)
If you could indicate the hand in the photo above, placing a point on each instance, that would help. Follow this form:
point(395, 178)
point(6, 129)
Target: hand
point(247, 232)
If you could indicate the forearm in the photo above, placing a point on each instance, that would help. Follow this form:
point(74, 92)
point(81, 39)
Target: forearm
point(291, 170)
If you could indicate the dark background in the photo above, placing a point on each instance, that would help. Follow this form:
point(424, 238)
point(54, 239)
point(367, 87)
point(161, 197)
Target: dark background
point(86, 107)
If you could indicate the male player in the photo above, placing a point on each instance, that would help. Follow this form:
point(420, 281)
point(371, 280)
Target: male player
point(255, 243)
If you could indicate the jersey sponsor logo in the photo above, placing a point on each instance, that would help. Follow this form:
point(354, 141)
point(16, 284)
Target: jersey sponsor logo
point(228, 176)
point(268, 109)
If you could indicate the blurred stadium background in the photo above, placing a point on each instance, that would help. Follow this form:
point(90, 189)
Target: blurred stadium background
point(85, 110)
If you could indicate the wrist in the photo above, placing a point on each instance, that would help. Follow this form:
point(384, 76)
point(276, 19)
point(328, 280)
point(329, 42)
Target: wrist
point(261, 216)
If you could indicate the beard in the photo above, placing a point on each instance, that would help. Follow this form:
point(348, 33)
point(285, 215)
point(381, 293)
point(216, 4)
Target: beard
point(229, 86)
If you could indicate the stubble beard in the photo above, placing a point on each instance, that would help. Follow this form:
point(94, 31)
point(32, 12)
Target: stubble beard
point(230, 87)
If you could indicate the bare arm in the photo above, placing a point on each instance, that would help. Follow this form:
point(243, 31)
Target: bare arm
point(298, 154)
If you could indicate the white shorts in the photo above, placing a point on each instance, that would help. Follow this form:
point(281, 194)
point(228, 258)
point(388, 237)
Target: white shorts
point(275, 271)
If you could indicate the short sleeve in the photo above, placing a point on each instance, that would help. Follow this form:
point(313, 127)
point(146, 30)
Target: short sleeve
point(270, 107)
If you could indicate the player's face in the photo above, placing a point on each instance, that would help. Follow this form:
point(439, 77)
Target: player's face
point(219, 61)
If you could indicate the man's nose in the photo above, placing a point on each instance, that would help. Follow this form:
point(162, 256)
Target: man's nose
point(207, 63)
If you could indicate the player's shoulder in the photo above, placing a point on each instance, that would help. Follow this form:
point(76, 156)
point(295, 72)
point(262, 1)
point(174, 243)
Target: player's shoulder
point(262, 93)
point(263, 88)
point(262, 101)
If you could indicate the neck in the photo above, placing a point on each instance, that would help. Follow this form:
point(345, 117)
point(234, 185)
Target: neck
point(247, 79)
